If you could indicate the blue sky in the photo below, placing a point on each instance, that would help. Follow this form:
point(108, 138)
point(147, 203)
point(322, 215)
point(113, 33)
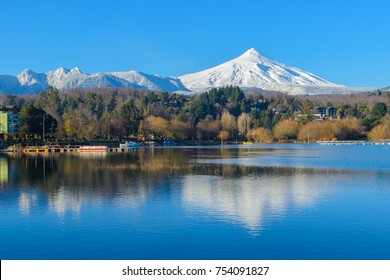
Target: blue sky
point(344, 41)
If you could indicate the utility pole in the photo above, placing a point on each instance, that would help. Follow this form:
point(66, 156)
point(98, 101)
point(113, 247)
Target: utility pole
point(43, 128)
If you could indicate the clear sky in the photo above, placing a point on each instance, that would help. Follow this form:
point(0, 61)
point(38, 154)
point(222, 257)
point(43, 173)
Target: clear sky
point(343, 41)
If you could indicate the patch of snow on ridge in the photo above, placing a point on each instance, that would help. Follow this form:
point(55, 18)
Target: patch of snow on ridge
point(152, 82)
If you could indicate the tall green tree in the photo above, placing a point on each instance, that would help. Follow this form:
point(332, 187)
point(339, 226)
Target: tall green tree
point(32, 120)
point(95, 103)
point(132, 115)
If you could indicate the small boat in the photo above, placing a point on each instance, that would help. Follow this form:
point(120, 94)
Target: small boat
point(130, 144)
point(247, 143)
point(169, 143)
point(92, 149)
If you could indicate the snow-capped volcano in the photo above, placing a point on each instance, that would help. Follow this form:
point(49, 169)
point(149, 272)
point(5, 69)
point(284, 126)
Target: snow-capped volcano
point(253, 70)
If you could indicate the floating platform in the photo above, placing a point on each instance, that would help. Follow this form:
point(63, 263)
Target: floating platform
point(362, 142)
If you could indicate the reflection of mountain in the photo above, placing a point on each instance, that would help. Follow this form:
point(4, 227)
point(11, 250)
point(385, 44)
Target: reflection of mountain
point(64, 200)
point(251, 200)
point(27, 202)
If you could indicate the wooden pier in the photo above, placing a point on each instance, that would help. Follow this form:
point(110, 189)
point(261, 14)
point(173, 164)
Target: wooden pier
point(56, 149)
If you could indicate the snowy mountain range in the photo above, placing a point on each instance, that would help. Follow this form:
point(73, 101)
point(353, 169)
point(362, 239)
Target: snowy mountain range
point(386, 88)
point(31, 82)
point(250, 70)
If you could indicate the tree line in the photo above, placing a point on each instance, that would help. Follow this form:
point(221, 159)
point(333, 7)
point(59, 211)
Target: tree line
point(220, 114)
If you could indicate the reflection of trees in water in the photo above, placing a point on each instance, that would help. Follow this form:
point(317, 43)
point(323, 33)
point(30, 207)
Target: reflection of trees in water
point(129, 179)
point(110, 174)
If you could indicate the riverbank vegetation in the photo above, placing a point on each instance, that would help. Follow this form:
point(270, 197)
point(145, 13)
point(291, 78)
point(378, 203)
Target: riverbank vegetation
point(223, 114)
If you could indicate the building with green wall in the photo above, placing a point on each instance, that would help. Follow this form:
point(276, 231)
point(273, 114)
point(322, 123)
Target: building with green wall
point(9, 119)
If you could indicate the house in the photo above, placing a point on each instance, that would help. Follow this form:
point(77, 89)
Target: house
point(325, 112)
point(330, 111)
point(321, 111)
point(9, 119)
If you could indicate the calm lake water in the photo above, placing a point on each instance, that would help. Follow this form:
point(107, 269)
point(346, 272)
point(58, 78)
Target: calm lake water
point(235, 202)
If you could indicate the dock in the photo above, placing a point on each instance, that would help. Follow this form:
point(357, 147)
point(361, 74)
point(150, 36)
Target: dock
point(58, 149)
point(356, 142)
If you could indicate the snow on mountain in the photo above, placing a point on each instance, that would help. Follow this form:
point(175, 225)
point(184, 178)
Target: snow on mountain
point(63, 79)
point(98, 80)
point(54, 78)
point(253, 70)
point(9, 84)
point(386, 88)
point(32, 82)
point(152, 82)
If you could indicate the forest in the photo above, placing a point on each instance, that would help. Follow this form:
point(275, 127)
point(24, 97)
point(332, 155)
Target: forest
point(221, 114)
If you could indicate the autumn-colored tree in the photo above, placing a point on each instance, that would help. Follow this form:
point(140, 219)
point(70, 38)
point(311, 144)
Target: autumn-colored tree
point(228, 123)
point(286, 130)
point(244, 123)
point(381, 131)
point(208, 129)
point(81, 123)
point(113, 126)
point(179, 130)
point(260, 135)
point(346, 129)
point(312, 132)
point(157, 127)
point(223, 135)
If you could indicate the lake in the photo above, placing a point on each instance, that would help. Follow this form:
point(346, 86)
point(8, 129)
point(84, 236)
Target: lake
point(276, 201)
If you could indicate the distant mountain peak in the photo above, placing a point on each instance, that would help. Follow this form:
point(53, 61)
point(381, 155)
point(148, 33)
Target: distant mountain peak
point(61, 70)
point(28, 77)
point(27, 71)
point(76, 70)
point(250, 55)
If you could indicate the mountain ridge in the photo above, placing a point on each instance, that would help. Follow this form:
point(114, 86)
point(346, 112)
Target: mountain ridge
point(249, 70)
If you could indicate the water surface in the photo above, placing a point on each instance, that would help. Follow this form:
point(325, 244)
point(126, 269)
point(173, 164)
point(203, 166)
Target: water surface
point(230, 202)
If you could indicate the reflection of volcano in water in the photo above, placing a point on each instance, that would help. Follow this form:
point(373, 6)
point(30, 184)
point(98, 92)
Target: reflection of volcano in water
point(64, 201)
point(252, 200)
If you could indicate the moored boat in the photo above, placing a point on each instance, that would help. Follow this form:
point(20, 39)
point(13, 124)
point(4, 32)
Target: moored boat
point(129, 144)
point(169, 143)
